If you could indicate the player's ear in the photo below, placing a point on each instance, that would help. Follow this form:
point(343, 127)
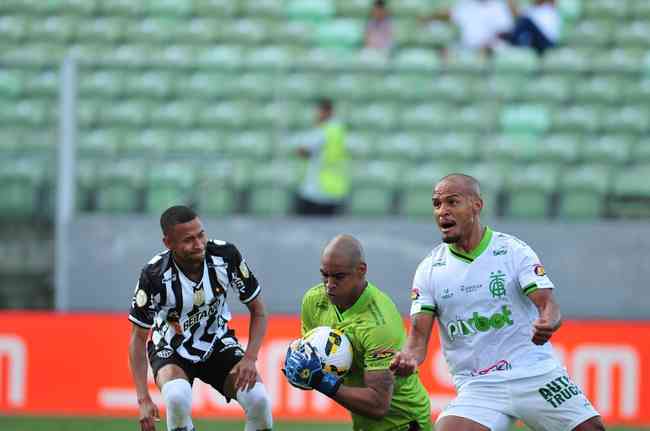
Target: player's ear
point(362, 268)
point(167, 241)
point(478, 204)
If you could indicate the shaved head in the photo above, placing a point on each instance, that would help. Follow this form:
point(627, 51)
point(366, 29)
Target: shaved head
point(346, 247)
point(466, 184)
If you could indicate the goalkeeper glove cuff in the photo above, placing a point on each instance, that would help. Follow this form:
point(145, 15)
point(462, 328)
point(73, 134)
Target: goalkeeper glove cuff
point(325, 383)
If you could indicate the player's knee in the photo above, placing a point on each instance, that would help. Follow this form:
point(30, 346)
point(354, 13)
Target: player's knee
point(256, 404)
point(178, 396)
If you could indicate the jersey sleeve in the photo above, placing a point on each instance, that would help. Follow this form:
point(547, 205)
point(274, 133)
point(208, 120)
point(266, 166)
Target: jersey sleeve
point(243, 278)
point(380, 344)
point(422, 290)
point(306, 323)
point(142, 305)
point(530, 271)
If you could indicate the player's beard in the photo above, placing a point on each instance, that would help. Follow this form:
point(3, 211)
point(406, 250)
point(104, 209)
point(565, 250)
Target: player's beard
point(451, 239)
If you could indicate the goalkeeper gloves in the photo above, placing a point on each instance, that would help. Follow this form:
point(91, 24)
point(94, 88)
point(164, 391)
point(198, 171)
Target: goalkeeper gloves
point(304, 370)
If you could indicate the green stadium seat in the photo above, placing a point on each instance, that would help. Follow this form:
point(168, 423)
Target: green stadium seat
point(269, 57)
point(598, 33)
point(27, 112)
point(44, 83)
point(568, 60)
point(225, 114)
point(504, 87)
point(34, 55)
point(401, 147)
point(11, 83)
point(516, 61)
point(361, 145)
point(531, 119)
point(198, 31)
point(302, 86)
point(129, 55)
point(466, 62)
point(168, 184)
point(205, 85)
point(272, 188)
point(88, 112)
point(281, 114)
point(104, 83)
point(619, 60)
point(373, 188)
point(121, 7)
point(416, 60)
point(215, 8)
point(373, 115)
point(560, 148)
point(309, 10)
point(612, 9)
point(417, 188)
point(639, 9)
point(450, 147)
point(607, 149)
point(146, 144)
point(255, 85)
point(631, 192)
point(100, 144)
point(178, 113)
point(411, 8)
point(291, 33)
point(11, 142)
point(628, 119)
point(577, 119)
point(633, 34)
point(100, 30)
point(86, 182)
point(640, 151)
point(250, 145)
point(14, 28)
point(224, 57)
point(151, 30)
point(352, 8)
point(72, 7)
point(636, 91)
point(119, 185)
point(583, 192)
point(512, 146)
point(90, 53)
point(21, 181)
point(479, 117)
point(406, 87)
point(215, 194)
point(435, 35)
point(530, 189)
point(132, 113)
point(151, 84)
point(341, 34)
point(57, 29)
point(197, 145)
point(173, 56)
point(262, 8)
point(450, 87)
point(549, 89)
point(350, 87)
point(427, 116)
point(175, 8)
point(244, 31)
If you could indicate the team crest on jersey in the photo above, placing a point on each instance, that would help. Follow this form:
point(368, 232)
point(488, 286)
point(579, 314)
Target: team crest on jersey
point(383, 354)
point(415, 293)
point(539, 270)
point(199, 297)
point(243, 268)
point(497, 284)
point(141, 298)
point(165, 353)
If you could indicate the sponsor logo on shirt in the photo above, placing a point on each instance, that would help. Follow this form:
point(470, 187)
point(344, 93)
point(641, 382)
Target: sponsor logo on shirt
point(446, 294)
point(501, 365)
point(539, 270)
point(559, 390)
point(439, 262)
point(500, 251)
point(382, 354)
point(203, 313)
point(471, 288)
point(479, 323)
point(415, 293)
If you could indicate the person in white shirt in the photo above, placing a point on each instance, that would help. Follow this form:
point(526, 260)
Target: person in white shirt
point(496, 313)
point(537, 26)
point(480, 22)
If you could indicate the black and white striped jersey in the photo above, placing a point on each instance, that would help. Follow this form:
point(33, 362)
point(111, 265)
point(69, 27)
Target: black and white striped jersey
point(186, 316)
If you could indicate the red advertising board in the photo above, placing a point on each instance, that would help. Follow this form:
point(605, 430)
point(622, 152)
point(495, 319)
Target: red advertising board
point(77, 364)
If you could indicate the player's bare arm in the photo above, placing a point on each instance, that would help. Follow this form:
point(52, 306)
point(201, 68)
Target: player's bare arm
point(416, 346)
point(549, 319)
point(245, 371)
point(373, 400)
point(138, 362)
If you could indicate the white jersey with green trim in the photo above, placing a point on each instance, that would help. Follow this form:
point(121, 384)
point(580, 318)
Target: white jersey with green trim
point(481, 304)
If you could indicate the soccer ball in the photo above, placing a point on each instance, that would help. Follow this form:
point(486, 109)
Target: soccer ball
point(333, 347)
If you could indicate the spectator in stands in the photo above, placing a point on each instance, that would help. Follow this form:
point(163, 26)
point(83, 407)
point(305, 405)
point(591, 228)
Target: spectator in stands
point(325, 185)
point(480, 22)
point(379, 29)
point(537, 26)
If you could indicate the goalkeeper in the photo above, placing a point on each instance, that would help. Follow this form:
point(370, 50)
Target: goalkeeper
point(377, 399)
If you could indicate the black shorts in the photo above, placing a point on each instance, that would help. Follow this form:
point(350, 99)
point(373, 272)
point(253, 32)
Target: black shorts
point(212, 371)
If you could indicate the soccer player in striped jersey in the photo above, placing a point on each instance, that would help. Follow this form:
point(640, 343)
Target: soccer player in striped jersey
point(496, 313)
point(377, 399)
point(180, 299)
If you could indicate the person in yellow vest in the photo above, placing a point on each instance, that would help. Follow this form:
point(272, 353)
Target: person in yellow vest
point(326, 183)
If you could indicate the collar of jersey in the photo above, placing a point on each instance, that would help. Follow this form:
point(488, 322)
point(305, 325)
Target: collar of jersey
point(361, 301)
point(476, 252)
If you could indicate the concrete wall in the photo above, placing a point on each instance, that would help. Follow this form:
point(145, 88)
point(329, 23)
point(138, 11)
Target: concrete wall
point(600, 269)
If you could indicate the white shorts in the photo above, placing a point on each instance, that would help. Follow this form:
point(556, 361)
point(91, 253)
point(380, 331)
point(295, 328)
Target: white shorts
point(548, 402)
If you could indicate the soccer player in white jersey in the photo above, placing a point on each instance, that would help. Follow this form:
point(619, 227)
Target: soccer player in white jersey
point(180, 300)
point(496, 313)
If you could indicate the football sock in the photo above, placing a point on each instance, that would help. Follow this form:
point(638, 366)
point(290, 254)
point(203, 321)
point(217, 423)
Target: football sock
point(257, 406)
point(177, 394)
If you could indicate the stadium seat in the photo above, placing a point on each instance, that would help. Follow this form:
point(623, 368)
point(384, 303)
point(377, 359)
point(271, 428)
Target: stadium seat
point(426, 117)
point(400, 147)
point(244, 31)
point(504, 87)
point(350, 87)
point(479, 117)
point(216, 8)
point(619, 60)
point(361, 144)
point(214, 189)
point(352, 8)
point(605, 9)
point(224, 57)
point(118, 186)
point(530, 189)
point(179, 113)
point(583, 192)
point(516, 61)
point(168, 184)
point(146, 144)
point(633, 34)
point(631, 192)
point(417, 188)
point(310, 10)
point(457, 88)
point(151, 84)
point(262, 8)
point(340, 34)
point(53, 29)
point(11, 83)
point(99, 143)
point(226, 114)
point(121, 7)
point(522, 147)
point(567, 60)
point(27, 112)
point(627, 119)
point(373, 188)
point(607, 149)
point(269, 57)
point(250, 145)
point(640, 151)
point(197, 145)
point(412, 8)
point(11, 142)
point(133, 113)
point(174, 8)
point(560, 148)
point(374, 115)
point(14, 28)
point(577, 119)
point(548, 89)
point(450, 147)
point(492, 177)
point(595, 33)
point(88, 112)
point(198, 31)
point(303, 86)
point(465, 62)
point(103, 83)
point(407, 87)
point(435, 35)
point(639, 9)
point(416, 60)
point(254, 85)
point(127, 55)
point(272, 188)
point(34, 55)
point(21, 180)
point(530, 119)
